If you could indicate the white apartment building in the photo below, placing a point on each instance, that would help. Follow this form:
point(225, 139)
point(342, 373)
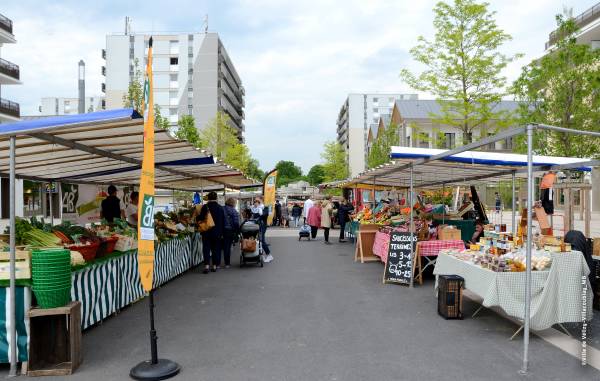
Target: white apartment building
point(358, 114)
point(69, 106)
point(193, 75)
point(9, 73)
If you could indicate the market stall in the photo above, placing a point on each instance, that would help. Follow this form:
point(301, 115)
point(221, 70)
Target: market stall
point(426, 168)
point(97, 149)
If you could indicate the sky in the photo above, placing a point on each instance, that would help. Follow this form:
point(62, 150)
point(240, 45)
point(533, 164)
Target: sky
point(298, 60)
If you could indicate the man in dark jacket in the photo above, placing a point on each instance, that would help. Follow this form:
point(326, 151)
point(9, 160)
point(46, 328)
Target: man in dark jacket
point(277, 219)
point(343, 216)
point(211, 239)
point(296, 213)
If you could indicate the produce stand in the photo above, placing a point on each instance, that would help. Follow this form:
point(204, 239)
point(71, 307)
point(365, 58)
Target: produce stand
point(102, 148)
point(432, 168)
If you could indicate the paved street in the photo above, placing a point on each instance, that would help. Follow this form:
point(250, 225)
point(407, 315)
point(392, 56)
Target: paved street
point(314, 314)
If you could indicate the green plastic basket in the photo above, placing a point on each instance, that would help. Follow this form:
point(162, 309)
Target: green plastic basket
point(51, 282)
point(52, 298)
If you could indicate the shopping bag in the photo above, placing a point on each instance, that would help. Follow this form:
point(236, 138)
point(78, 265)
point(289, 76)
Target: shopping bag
point(206, 224)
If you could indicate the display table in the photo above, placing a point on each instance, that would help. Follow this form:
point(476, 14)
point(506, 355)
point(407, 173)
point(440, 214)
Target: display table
point(22, 305)
point(429, 249)
point(105, 288)
point(556, 295)
point(364, 243)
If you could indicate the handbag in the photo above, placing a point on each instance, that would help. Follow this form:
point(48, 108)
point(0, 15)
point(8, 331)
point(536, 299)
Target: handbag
point(248, 245)
point(207, 223)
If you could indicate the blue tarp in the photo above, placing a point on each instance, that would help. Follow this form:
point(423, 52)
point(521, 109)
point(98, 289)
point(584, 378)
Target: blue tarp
point(66, 120)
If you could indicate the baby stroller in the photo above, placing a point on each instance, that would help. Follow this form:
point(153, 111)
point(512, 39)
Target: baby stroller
point(250, 247)
point(304, 232)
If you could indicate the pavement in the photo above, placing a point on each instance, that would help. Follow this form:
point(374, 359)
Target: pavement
point(314, 314)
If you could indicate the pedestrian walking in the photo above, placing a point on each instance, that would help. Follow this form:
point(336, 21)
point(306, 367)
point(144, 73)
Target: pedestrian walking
point(277, 219)
point(296, 213)
point(344, 216)
point(314, 219)
point(211, 239)
point(498, 202)
point(307, 205)
point(261, 214)
point(285, 216)
point(231, 229)
point(326, 213)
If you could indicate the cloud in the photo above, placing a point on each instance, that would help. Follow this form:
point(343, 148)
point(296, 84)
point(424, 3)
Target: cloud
point(298, 60)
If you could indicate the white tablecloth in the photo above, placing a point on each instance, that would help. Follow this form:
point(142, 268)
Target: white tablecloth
point(556, 295)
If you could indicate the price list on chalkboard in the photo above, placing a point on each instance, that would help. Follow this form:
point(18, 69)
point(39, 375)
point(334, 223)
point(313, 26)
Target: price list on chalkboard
point(398, 268)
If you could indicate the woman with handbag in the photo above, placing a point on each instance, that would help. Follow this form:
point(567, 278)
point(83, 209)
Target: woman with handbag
point(211, 223)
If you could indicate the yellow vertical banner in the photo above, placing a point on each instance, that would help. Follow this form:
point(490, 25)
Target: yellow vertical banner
point(269, 188)
point(146, 195)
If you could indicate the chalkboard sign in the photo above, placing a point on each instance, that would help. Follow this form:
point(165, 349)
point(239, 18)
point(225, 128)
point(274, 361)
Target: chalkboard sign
point(398, 268)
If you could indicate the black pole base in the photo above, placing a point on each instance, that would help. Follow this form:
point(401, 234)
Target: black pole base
point(162, 370)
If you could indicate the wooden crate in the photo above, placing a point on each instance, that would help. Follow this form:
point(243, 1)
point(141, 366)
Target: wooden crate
point(22, 264)
point(596, 247)
point(54, 340)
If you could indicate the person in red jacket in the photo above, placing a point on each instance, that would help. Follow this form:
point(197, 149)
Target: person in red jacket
point(314, 219)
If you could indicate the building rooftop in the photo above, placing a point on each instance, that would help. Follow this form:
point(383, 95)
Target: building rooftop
point(422, 109)
point(589, 27)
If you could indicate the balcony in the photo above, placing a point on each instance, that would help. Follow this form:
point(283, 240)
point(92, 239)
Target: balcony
point(103, 54)
point(103, 70)
point(9, 69)
point(6, 24)
point(103, 87)
point(581, 21)
point(9, 108)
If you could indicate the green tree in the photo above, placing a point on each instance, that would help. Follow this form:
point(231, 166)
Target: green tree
point(218, 136)
point(315, 175)
point(463, 66)
point(287, 172)
point(335, 165)
point(561, 89)
point(134, 98)
point(187, 130)
point(382, 147)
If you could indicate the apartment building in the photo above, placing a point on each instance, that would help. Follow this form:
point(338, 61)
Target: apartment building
point(589, 29)
point(418, 129)
point(358, 114)
point(9, 73)
point(68, 106)
point(193, 75)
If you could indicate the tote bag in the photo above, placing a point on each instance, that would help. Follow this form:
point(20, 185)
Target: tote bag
point(206, 224)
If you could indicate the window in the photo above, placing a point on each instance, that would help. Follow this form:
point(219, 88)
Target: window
point(467, 137)
point(424, 141)
point(376, 120)
point(375, 109)
point(173, 111)
point(173, 77)
point(450, 140)
point(375, 100)
point(508, 143)
point(174, 61)
point(391, 99)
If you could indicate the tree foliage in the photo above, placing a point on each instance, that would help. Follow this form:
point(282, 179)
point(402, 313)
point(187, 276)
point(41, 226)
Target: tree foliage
point(382, 146)
point(218, 136)
point(463, 66)
point(335, 163)
point(287, 172)
point(561, 89)
point(316, 175)
point(186, 130)
point(134, 98)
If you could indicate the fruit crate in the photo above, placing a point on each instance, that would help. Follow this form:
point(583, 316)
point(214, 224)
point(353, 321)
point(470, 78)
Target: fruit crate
point(22, 264)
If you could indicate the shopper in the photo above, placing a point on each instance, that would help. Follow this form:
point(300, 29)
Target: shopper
point(343, 217)
point(326, 213)
point(131, 212)
point(261, 214)
point(277, 219)
point(296, 213)
point(307, 205)
point(211, 239)
point(314, 219)
point(110, 208)
point(231, 229)
point(285, 216)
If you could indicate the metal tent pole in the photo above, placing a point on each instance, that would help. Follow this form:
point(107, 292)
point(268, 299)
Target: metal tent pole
point(412, 229)
point(528, 249)
point(12, 310)
point(173, 199)
point(51, 208)
point(514, 207)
